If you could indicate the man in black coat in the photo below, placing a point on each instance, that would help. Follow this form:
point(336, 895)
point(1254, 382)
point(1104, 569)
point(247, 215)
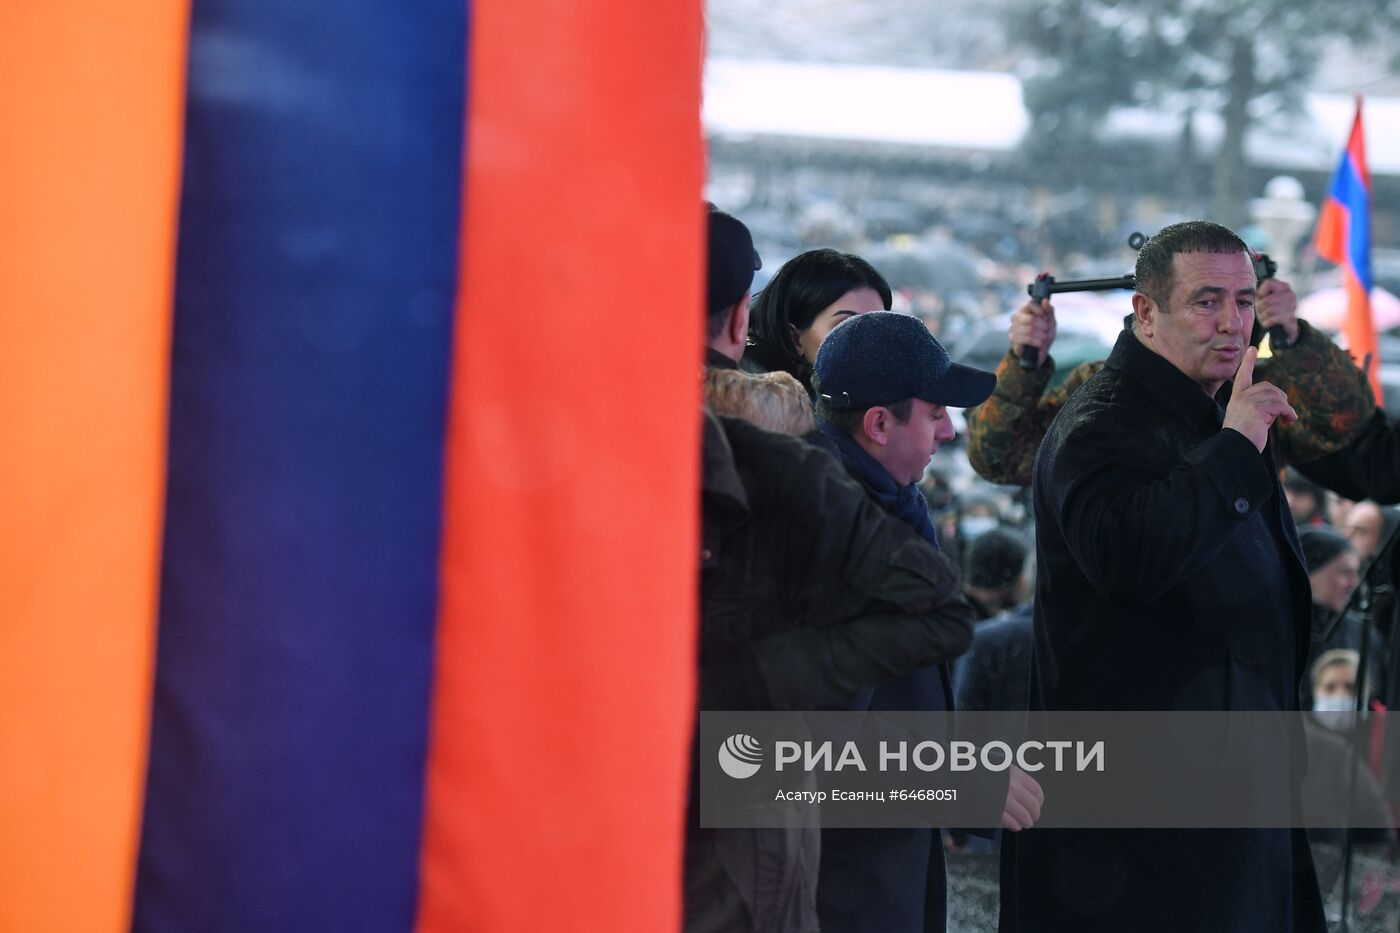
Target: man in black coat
point(1170, 578)
point(884, 384)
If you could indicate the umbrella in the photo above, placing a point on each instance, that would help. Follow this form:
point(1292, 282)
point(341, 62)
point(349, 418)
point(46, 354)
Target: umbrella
point(940, 266)
point(985, 347)
point(1097, 313)
point(1327, 309)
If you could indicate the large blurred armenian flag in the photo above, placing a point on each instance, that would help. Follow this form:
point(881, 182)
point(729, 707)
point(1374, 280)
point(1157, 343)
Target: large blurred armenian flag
point(348, 458)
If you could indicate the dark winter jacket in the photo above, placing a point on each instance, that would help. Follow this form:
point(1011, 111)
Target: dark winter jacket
point(810, 594)
point(996, 673)
point(886, 880)
point(1169, 578)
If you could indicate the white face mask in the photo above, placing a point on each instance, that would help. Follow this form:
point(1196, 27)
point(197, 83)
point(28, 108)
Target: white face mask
point(974, 526)
point(1335, 712)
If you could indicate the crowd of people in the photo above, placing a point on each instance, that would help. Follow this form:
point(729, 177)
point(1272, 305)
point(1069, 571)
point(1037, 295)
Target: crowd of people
point(1172, 569)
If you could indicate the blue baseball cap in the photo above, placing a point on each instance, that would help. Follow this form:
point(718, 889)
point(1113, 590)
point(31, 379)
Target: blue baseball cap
point(885, 357)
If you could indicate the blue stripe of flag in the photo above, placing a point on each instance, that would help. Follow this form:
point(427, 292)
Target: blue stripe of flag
point(316, 275)
point(1350, 192)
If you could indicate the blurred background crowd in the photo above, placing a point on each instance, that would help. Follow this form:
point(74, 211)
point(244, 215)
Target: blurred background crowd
point(965, 147)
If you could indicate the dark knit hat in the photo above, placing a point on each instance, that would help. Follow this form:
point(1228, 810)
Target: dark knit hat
point(996, 558)
point(1321, 546)
point(885, 357)
point(731, 262)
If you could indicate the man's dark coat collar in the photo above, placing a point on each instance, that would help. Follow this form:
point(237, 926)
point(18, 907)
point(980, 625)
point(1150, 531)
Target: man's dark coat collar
point(717, 360)
point(1176, 390)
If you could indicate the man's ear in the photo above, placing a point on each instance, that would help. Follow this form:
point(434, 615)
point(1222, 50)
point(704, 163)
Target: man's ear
point(1145, 312)
point(876, 424)
point(738, 324)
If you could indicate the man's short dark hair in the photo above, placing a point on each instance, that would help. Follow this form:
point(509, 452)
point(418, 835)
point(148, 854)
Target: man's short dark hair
point(852, 422)
point(1154, 260)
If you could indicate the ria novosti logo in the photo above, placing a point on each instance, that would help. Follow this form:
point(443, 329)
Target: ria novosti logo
point(740, 756)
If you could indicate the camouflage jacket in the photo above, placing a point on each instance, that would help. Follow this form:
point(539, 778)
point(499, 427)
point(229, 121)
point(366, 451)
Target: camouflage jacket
point(1326, 388)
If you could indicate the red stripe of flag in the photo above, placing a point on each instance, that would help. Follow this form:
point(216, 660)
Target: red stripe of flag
point(565, 652)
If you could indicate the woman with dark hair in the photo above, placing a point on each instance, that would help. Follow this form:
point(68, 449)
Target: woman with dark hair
point(1333, 566)
point(812, 293)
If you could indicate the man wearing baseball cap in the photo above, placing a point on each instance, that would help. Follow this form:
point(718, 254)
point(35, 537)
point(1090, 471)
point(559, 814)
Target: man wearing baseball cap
point(883, 386)
point(730, 265)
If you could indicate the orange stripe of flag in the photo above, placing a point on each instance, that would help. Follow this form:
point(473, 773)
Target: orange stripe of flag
point(91, 103)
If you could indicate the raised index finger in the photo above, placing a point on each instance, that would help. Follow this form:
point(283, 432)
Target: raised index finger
point(1244, 376)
